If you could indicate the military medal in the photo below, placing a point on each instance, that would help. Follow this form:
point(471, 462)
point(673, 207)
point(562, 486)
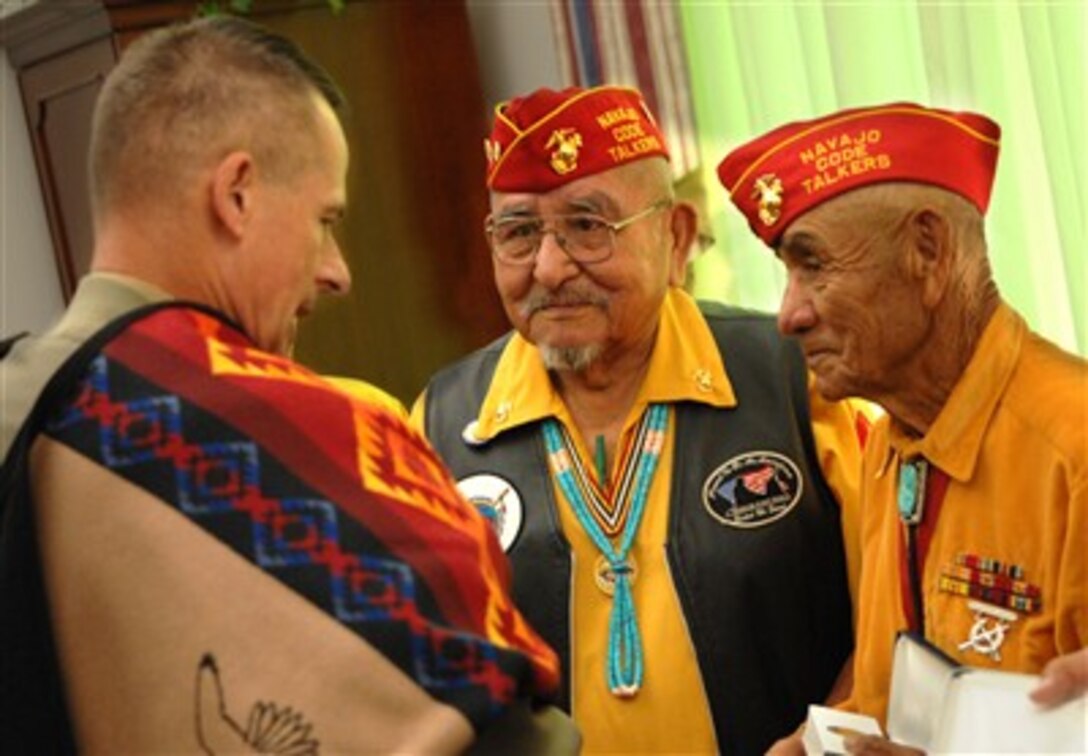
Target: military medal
point(997, 593)
point(989, 628)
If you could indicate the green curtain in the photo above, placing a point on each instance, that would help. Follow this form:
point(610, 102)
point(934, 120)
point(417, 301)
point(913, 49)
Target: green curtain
point(757, 65)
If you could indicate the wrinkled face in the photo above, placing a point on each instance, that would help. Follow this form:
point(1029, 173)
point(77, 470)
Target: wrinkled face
point(295, 256)
point(576, 313)
point(849, 299)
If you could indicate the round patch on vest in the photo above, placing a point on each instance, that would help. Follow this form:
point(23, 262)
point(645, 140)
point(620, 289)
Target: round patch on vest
point(753, 489)
point(498, 501)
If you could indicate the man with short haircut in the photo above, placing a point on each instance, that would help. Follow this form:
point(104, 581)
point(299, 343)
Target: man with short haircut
point(975, 483)
point(656, 469)
point(206, 546)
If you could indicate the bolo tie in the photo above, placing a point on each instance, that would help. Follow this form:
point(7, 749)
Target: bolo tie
point(920, 492)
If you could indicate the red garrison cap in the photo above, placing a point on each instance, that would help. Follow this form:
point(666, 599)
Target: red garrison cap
point(788, 171)
point(548, 138)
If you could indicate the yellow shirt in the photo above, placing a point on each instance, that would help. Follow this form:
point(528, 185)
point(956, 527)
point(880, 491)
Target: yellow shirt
point(1012, 438)
point(670, 714)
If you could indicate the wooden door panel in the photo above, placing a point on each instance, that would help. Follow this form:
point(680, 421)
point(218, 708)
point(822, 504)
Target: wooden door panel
point(59, 95)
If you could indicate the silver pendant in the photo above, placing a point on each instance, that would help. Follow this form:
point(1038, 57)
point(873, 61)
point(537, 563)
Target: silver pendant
point(988, 631)
point(605, 575)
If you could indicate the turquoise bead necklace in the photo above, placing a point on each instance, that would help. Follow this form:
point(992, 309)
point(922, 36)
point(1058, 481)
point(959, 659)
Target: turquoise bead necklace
point(625, 667)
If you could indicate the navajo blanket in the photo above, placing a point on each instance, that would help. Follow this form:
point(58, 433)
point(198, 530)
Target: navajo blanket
point(333, 495)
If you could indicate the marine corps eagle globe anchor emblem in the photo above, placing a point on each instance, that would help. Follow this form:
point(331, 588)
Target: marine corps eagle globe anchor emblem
point(767, 189)
point(566, 142)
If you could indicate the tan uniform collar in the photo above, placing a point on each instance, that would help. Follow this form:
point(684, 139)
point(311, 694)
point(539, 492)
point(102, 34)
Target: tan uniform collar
point(101, 297)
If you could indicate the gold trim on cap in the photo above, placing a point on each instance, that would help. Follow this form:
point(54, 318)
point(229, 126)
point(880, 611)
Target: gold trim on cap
point(500, 114)
point(919, 111)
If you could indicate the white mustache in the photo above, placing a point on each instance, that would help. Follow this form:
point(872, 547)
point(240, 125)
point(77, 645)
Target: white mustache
point(572, 297)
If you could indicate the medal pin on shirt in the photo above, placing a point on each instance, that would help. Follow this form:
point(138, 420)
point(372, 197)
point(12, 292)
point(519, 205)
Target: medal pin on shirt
point(989, 629)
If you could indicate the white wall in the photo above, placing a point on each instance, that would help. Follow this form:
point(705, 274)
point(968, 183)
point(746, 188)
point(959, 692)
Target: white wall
point(515, 46)
point(30, 296)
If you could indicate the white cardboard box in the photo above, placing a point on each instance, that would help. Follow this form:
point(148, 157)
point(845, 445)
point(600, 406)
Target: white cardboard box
point(821, 736)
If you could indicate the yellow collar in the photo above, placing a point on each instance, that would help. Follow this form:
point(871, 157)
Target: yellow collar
point(685, 366)
point(954, 441)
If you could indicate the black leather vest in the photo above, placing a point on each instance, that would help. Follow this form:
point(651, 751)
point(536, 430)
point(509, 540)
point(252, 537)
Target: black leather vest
point(767, 607)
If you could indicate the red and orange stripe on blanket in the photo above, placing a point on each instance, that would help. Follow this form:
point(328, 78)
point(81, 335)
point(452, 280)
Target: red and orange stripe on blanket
point(182, 405)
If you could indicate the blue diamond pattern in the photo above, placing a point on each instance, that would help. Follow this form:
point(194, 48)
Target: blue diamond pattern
point(294, 531)
point(375, 589)
point(220, 474)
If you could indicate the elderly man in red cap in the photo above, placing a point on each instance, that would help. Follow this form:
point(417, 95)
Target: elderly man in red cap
point(656, 470)
point(975, 484)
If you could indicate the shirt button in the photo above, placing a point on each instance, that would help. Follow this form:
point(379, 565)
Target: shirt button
point(702, 379)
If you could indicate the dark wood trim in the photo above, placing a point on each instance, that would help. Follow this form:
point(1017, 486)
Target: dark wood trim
point(57, 96)
point(50, 27)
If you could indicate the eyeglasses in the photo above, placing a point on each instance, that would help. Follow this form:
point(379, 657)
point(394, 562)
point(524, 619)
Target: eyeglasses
point(586, 238)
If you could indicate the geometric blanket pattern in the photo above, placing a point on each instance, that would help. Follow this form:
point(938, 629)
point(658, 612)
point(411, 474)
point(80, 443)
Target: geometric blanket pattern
point(336, 498)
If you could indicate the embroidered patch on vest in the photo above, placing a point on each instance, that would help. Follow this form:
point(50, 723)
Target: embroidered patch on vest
point(498, 501)
point(753, 489)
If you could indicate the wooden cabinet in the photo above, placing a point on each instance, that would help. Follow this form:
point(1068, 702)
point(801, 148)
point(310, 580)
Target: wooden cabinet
point(423, 292)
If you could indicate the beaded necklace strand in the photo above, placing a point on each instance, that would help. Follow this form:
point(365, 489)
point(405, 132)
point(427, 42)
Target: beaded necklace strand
point(625, 665)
